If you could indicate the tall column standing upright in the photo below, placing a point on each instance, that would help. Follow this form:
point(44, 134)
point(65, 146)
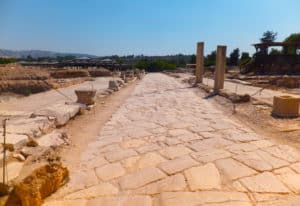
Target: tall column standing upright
point(199, 62)
point(220, 68)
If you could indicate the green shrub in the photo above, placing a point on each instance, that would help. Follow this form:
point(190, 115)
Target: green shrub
point(155, 66)
point(7, 60)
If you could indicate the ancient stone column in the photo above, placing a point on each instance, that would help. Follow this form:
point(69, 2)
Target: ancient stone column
point(199, 62)
point(220, 68)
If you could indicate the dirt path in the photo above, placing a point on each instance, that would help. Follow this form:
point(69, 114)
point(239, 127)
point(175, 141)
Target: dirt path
point(166, 146)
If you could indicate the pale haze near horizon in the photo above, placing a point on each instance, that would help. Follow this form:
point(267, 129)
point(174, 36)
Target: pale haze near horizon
point(148, 27)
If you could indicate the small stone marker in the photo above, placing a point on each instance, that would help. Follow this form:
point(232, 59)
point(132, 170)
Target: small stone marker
point(85, 96)
point(286, 106)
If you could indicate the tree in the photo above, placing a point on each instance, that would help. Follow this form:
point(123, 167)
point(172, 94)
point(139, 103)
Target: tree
point(180, 60)
point(155, 66)
point(234, 57)
point(7, 60)
point(293, 38)
point(210, 59)
point(245, 56)
point(275, 51)
point(29, 58)
point(193, 59)
point(268, 36)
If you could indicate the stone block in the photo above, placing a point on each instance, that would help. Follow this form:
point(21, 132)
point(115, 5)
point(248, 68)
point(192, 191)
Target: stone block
point(204, 177)
point(169, 184)
point(110, 171)
point(141, 178)
point(216, 198)
point(286, 106)
point(54, 138)
point(85, 96)
point(234, 169)
point(178, 164)
point(102, 189)
point(61, 112)
point(264, 182)
point(125, 200)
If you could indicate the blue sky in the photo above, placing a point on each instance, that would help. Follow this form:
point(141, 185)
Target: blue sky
point(149, 27)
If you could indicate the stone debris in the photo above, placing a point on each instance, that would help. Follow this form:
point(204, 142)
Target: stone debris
point(16, 138)
point(33, 127)
point(28, 151)
point(32, 142)
point(113, 85)
point(55, 138)
point(19, 157)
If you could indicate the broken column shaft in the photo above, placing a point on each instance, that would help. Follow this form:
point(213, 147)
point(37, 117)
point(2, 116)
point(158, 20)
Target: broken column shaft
point(220, 68)
point(199, 62)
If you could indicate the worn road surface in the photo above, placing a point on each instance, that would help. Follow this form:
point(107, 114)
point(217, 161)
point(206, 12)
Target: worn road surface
point(167, 146)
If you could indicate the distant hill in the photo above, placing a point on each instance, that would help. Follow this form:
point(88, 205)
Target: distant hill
point(39, 53)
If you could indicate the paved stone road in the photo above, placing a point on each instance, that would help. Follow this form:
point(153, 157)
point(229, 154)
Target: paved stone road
point(166, 146)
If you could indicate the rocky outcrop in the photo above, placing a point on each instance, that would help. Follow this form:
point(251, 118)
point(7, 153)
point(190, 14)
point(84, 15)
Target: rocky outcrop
point(41, 175)
point(41, 183)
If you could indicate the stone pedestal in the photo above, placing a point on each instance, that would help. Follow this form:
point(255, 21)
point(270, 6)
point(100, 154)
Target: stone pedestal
point(286, 106)
point(85, 96)
point(199, 62)
point(220, 68)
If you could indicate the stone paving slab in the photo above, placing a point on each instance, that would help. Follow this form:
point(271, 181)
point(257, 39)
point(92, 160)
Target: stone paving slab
point(167, 146)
